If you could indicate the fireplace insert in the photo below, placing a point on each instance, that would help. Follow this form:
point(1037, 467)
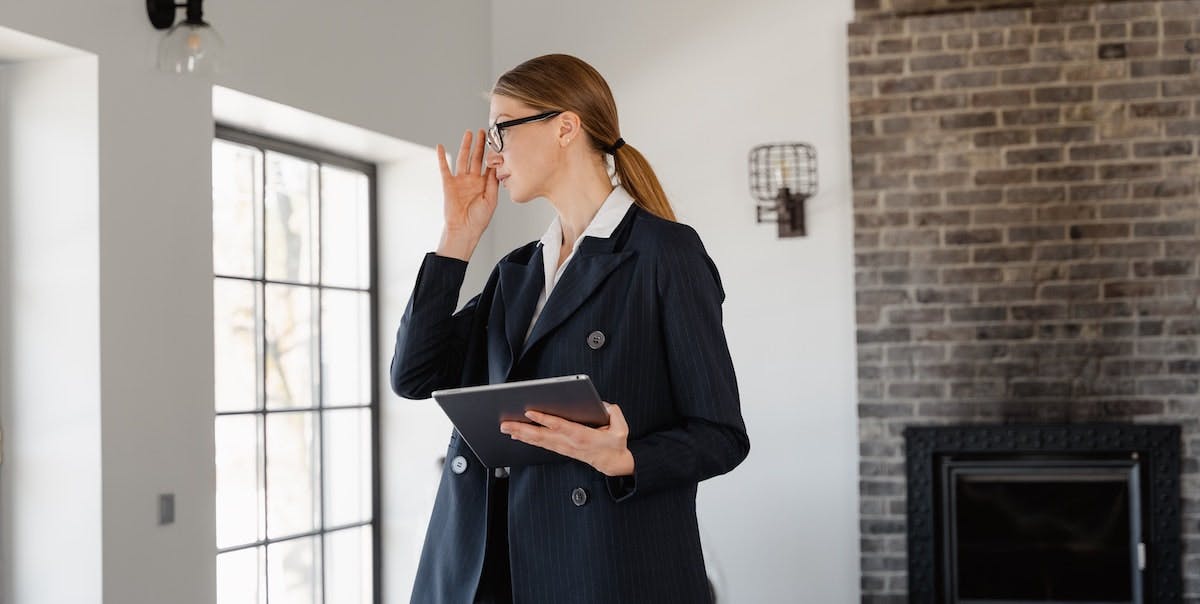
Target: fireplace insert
point(1009, 514)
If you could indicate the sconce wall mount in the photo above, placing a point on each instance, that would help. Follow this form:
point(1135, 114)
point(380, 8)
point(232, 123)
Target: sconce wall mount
point(162, 13)
point(782, 177)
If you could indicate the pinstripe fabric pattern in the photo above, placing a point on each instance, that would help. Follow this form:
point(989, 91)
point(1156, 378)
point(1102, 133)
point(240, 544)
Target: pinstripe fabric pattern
point(654, 293)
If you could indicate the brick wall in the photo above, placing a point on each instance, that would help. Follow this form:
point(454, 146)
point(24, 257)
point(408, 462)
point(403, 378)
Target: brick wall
point(876, 9)
point(1026, 234)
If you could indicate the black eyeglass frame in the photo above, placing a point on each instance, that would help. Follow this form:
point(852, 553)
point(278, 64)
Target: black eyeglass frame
point(495, 134)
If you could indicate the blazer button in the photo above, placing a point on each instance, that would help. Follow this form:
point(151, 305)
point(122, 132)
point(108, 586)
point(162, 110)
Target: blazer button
point(579, 496)
point(501, 472)
point(458, 465)
point(595, 340)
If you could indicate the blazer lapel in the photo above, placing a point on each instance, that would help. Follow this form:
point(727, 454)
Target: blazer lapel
point(520, 287)
point(595, 259)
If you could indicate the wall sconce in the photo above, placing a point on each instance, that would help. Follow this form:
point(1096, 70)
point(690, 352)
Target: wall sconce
point(782, 176)
point(192, 46)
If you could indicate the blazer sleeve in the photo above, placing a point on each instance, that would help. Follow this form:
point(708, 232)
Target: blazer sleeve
point(710, 436)
point(432, 339)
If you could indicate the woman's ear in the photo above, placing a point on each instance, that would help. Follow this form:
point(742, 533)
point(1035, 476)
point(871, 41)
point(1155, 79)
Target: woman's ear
point(569, 127)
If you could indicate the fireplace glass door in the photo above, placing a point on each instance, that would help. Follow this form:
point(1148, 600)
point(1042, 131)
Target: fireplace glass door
point(1042, 530)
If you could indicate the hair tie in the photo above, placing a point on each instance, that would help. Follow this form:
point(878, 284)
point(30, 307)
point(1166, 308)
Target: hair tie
point(612, 150)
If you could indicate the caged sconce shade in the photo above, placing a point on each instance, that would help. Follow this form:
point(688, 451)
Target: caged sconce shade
point(192, 46)
point(782, 177)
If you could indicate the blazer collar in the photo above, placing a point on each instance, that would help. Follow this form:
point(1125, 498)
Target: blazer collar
point(522, 281)
point(608, 217)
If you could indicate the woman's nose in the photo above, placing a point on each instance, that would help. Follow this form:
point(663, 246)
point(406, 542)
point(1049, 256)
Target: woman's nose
point(492, 159)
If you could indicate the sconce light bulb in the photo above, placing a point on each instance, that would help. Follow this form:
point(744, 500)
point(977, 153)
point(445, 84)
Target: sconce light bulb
point(191, 48)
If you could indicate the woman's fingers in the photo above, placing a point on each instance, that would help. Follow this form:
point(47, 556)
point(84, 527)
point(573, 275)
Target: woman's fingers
point(552, 440)
point(617, 425)
point(462, 163)
point(550, 432)
point(442, 164)
point(490, 185)
point(472, 156)
point(477, 165)
point(616, 418)
point(531, 434)
point(551, 421)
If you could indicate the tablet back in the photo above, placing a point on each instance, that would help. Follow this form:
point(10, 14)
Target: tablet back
point(477, 411)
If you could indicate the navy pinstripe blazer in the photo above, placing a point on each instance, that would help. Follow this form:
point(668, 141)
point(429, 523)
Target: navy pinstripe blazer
point(654, 293)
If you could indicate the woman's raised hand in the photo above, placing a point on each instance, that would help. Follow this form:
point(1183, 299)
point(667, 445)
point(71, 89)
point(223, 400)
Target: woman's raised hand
point(469, 197)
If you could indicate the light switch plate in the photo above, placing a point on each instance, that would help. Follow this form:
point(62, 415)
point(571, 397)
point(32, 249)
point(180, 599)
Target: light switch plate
point(166, 509)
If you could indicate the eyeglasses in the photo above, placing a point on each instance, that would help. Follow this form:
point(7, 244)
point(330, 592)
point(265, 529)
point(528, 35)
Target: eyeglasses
point(495, 134)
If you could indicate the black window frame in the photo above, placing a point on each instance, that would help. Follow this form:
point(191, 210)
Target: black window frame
point(264, 143)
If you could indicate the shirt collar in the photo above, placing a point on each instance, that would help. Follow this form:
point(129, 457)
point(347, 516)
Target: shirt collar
point(606, 220)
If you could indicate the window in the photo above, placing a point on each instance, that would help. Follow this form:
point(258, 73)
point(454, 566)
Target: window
point(294, 310)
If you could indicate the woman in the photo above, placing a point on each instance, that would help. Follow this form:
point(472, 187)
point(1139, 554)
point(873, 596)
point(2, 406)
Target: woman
point(615, 289)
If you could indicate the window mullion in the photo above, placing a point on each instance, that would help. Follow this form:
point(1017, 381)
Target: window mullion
point(261, 260)
point(320, 374)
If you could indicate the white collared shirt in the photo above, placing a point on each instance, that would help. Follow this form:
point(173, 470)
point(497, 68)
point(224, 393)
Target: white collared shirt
point(602, 225)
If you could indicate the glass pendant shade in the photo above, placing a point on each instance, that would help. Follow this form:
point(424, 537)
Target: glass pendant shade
point(191, 48)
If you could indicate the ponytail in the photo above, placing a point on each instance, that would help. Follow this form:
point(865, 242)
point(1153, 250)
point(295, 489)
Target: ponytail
point(638, 178)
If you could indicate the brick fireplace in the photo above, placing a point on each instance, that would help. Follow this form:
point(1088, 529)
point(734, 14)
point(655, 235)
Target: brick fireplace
point(1026, 232)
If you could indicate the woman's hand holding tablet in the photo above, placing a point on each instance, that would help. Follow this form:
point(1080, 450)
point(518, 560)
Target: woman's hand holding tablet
point(602, 448)
point(545, 420)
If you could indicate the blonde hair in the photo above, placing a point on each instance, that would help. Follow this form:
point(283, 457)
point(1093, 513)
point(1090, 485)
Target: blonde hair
point(566, 83)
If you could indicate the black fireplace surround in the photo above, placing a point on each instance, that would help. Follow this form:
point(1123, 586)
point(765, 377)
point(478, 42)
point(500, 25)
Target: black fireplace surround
point(1079, 513)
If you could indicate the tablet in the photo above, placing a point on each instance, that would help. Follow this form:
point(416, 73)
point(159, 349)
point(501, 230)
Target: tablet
point(477, 411)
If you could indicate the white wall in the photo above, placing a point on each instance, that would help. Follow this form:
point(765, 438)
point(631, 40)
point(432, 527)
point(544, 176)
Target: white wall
point(782, 527)
point(413, 71)
point(415, 434)
point(697, 85)
point(50, 495)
